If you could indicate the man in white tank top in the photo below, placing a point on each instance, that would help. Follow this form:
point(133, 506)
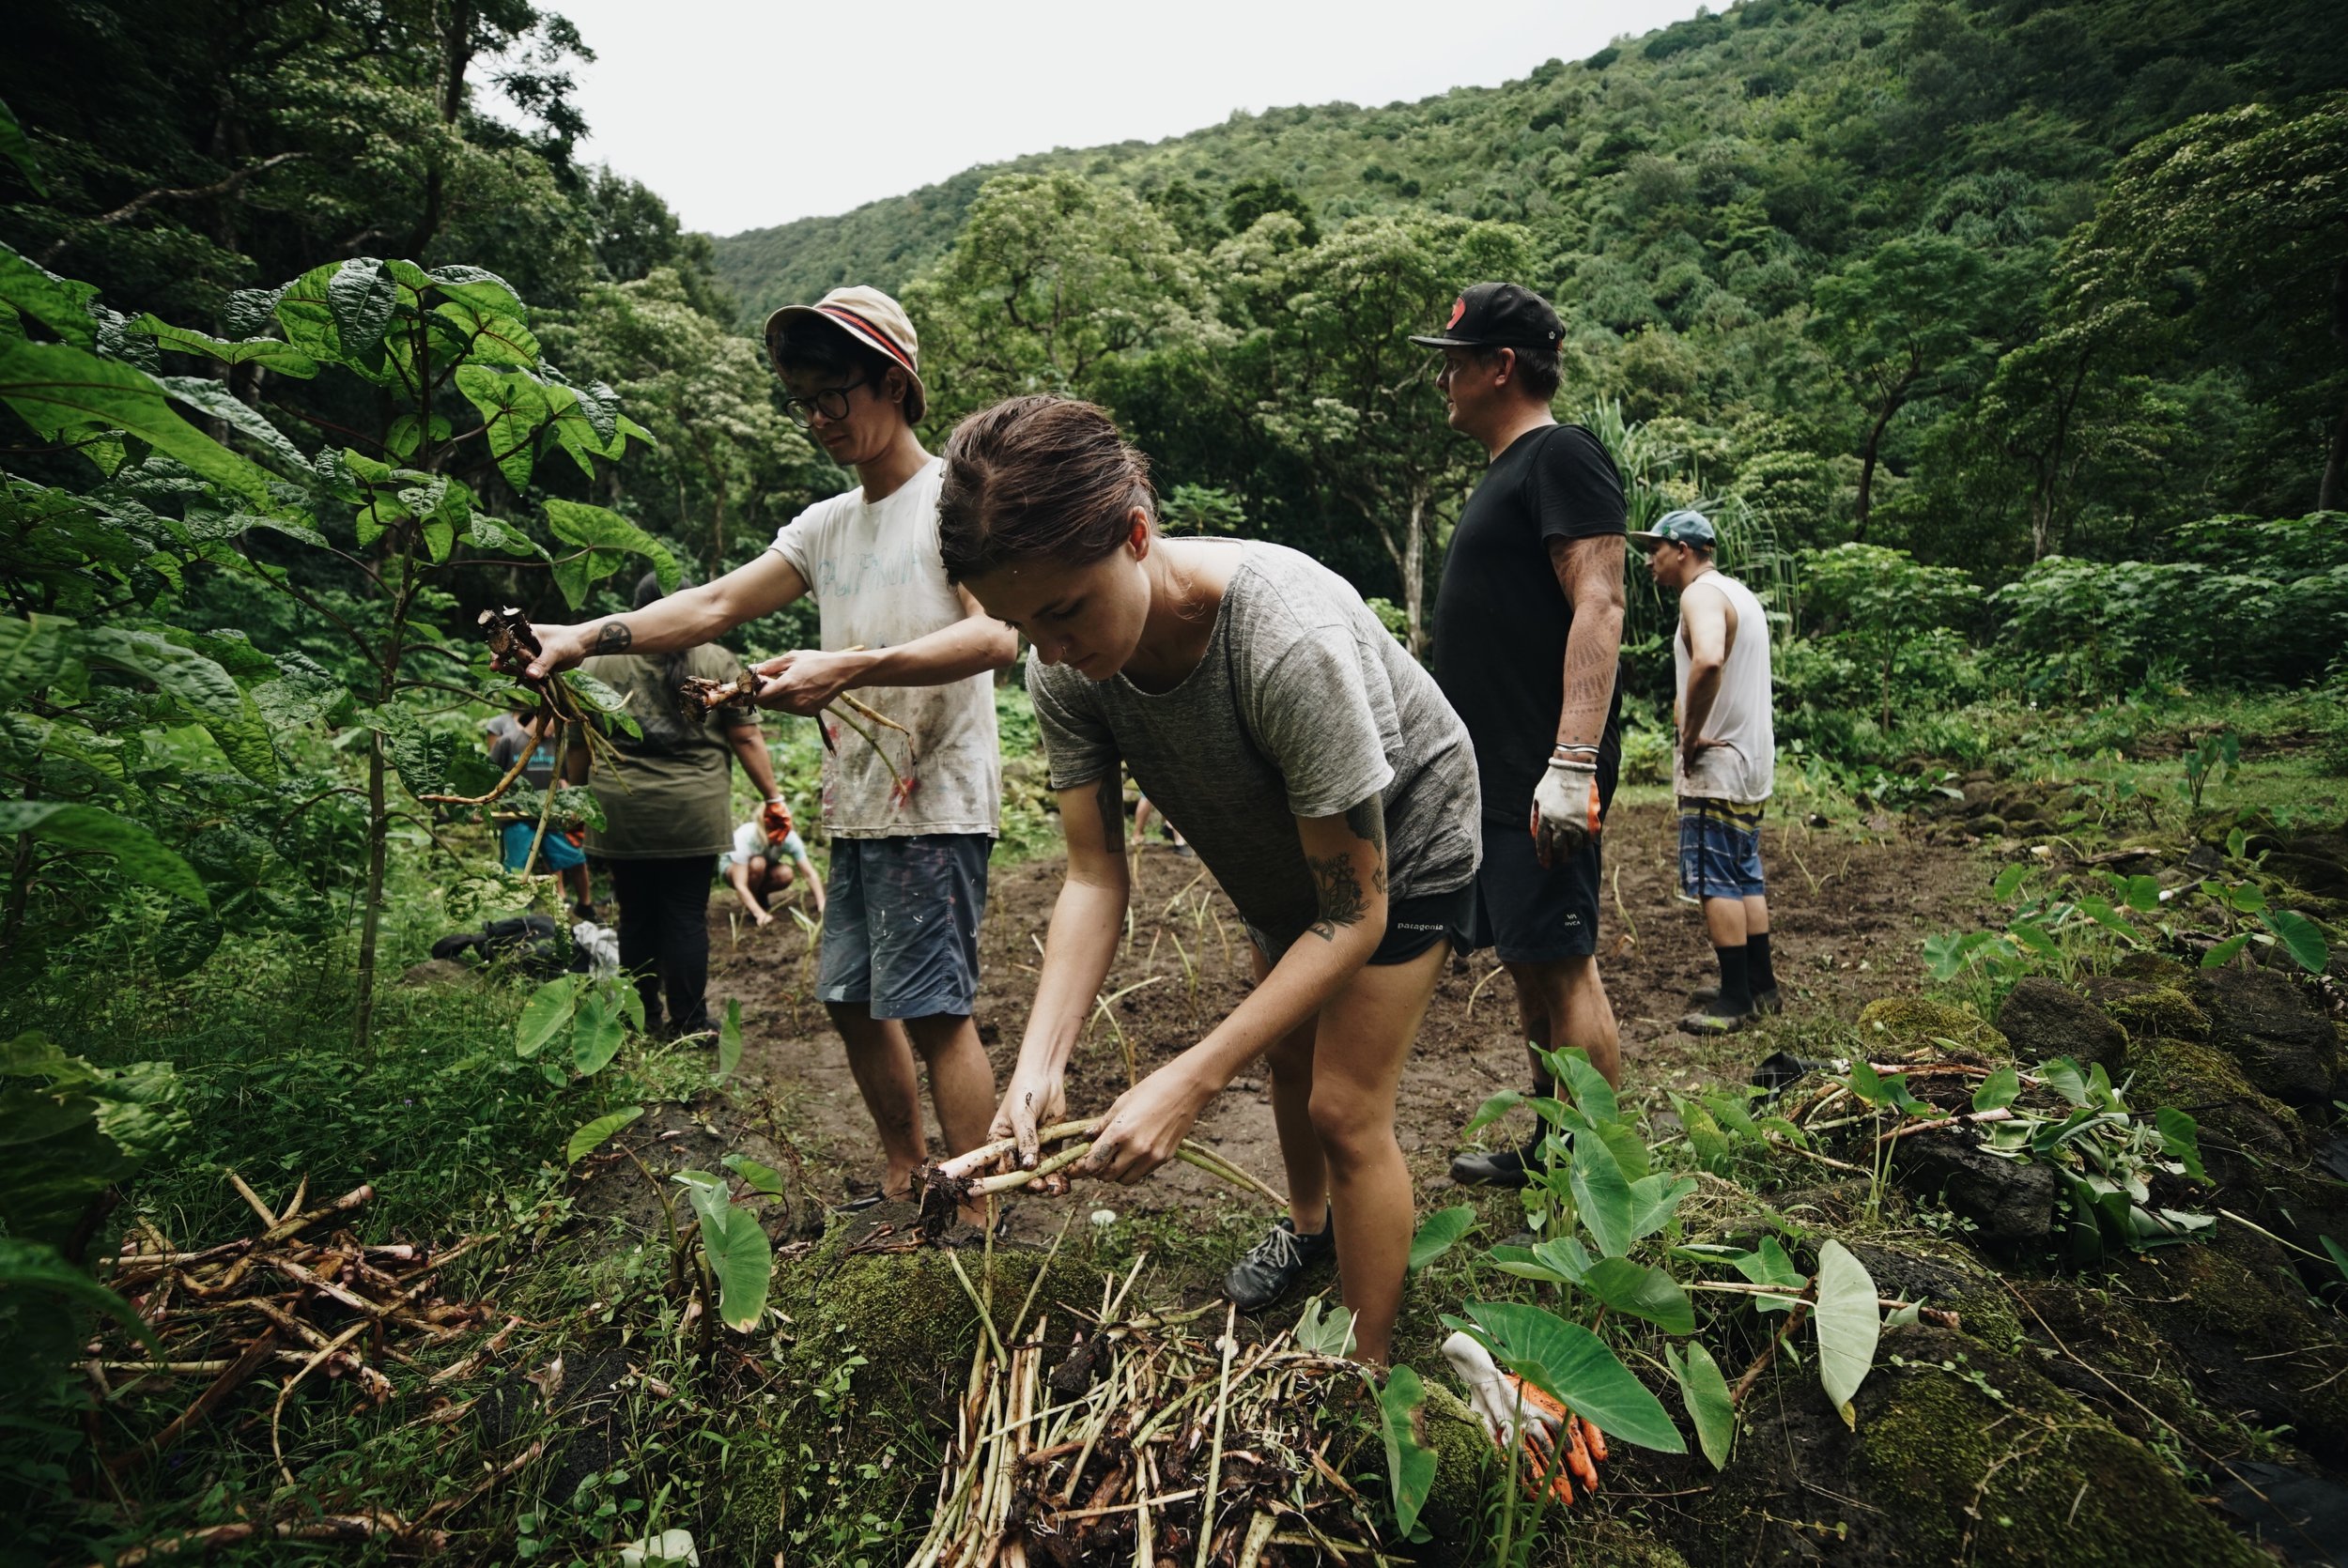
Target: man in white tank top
point(1723, 767)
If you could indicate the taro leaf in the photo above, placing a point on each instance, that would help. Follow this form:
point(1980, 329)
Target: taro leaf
point(200, 686)
point(60, 304)
point(362, 296)
point(595, 1033)
point(1629, 1149)
point(1769, 1265)
point(1588, 1086)
point(1864, 1083)
point(2062, 1075)
point(736, 1249)
point(2224, 954)
point(1706, 1393)
point(2009, 881)
point(2108, 917)
point(1705, 1136)
point(595, 1132)
point(1439, 1233)
point(2035, 937)
point(1642, 1292)
point(1653, 1199)
point(1322, 1332)
point(546, 1013)
point(32, 655)
point(63, 391)
point(2248, 897)
point(18, 149)
point(1576, 1368)
point(2181, 1140)
point(1998, 1090)
point(274, 353)
point(2300, 937)
point(1603, 1196)
point(1410, 1464)
point(1492, 1110)
point(1849, 1325)
point(2143, 894)
point(90, 827)
point(730, 1039)
point(763, 1179)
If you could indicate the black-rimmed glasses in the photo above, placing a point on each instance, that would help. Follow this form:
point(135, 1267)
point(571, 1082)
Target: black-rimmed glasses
point(832, 403)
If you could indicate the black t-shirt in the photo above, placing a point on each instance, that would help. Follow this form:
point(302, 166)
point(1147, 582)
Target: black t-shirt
point(1501, 619)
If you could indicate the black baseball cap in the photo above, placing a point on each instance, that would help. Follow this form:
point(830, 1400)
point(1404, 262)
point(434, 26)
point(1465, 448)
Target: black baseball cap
point(1497, 315)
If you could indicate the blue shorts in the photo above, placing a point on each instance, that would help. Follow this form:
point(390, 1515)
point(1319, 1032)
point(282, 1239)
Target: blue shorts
point(1720, 850)
point(557, 851)
point(901, 924)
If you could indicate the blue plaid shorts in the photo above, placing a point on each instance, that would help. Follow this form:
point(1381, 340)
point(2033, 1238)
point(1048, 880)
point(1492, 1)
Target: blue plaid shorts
point(1719, 849)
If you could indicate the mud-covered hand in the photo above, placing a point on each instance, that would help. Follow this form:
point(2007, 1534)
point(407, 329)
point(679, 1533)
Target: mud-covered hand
point(806, 681)
point(1145, 1129)
point(1035, 1098)
point(1566, 807)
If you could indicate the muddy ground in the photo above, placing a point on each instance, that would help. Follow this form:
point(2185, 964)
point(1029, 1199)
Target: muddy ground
point(1848, 908)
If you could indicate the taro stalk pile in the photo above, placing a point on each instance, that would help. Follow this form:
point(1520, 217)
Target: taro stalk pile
point(990, 1169)
point(286, 1304)
point(1136, 1440)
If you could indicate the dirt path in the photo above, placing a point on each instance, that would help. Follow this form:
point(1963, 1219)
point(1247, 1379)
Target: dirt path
point(1848, 914)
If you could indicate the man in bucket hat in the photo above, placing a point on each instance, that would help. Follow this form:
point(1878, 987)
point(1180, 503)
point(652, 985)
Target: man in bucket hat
point(911, 815)
point(1528, 632)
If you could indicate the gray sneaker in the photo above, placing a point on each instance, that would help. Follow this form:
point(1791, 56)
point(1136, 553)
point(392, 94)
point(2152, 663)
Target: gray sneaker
point(1762, 1001)
point(1273, 1265)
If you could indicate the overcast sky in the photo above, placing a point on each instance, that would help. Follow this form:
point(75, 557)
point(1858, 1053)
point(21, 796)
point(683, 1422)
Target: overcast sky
point(747, 113)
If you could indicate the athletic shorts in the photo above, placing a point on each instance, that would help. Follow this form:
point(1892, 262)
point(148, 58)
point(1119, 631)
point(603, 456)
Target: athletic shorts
point(901, 924)
point(1413, 926)
point(559, 850)
point(1530, 913)
point(1719, 849)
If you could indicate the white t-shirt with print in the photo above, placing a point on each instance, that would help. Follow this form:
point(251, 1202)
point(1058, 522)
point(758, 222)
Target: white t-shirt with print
point(879, 582)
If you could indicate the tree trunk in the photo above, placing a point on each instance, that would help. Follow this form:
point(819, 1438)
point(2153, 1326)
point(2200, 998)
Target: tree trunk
point(2333, 492)
point(1415, 573)
point(1868, 470)
point(459, 56)
point(371, 918)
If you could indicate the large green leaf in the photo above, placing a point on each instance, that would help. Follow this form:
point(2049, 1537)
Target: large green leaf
point(547, 1013)
point(514, 408)
point(608, 539)
point(730, 1039)
point(2301, 938)
point(60, 304)
point(763, 1179)
point(1848, 1324)
point(362, 297)
point(215, 401)
point(1410, 1464)
point(1588, 1086)
point(18, 149)
point(736, 1247)
point(1603, 1196)
point(63, 391)
point(1653, 1199)
point(591, 1136)
point(1439, 1233)
point(1575, 1367)
point(205, 691)
point(32, 653)
point(274, 353)
point(1998, 1090)
point(88, 827)
point(2181, 1140)
point(597, 1031)
point(1642, 1292)
point(2061, 1074)
point(489, 336)
point(1706, 1393)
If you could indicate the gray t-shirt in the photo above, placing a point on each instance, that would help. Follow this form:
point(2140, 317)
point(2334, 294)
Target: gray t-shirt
point(1303, 706)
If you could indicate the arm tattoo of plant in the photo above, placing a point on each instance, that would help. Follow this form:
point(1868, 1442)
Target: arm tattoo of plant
point(1368, 819)
point(1109, 792)
point(1340, 890)
point(614, 638)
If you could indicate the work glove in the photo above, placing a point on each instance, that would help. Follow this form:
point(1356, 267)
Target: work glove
point(1517, 1415)
point(775, 819)
point(1566, 806)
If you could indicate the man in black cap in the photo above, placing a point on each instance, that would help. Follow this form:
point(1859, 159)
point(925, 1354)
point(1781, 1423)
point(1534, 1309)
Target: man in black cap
point(1528, 629)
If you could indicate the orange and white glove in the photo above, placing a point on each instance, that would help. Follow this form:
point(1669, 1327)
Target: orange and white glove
point(1517, 1415)
point(775, 819)
point(1565, 805)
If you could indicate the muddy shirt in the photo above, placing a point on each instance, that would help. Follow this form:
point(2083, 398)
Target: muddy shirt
point(1303, 705)
point(670, 797)
point(878, 580)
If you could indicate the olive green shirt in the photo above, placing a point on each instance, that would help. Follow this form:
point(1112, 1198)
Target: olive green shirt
point(670, 797)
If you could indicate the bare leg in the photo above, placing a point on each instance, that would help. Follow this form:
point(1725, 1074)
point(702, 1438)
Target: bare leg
point(1363, 1037)
point(1725, 920)
point(1757, 914)
point(1568, 993)
point(882, 1063)
point(1291, 1062)
point(962, 1082)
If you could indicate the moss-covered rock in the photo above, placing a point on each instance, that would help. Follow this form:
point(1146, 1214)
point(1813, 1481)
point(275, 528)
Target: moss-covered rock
point(2241, 1130)
point(1992, 1463)
point(2285, 1044)
point(2147, 1010)
point(2239, 1315)
point(1464, 1459)
point(2043, 1018)
point(1915, 1021)
point(2155, 969)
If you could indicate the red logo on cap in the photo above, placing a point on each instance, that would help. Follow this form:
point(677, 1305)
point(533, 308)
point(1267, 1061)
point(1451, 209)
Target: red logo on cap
point(1459, 309)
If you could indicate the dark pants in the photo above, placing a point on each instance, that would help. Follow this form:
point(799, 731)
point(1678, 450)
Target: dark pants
point(664, 936)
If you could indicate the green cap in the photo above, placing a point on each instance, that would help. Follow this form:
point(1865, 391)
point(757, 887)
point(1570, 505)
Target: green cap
point(1678, 527)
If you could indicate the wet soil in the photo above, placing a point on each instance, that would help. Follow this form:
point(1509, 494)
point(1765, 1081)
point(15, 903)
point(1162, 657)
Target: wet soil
point(1848, 908)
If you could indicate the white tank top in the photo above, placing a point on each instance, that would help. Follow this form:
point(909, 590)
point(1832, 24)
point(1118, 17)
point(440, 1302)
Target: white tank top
point(1744, 769)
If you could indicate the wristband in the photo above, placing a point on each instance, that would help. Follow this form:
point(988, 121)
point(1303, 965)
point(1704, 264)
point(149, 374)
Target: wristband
point(1566, 746)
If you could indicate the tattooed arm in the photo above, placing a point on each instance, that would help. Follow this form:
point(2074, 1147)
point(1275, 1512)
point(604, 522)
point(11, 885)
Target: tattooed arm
point(1087, 920)
point(1346, 856)
point(685, 618)
point(1589, 573)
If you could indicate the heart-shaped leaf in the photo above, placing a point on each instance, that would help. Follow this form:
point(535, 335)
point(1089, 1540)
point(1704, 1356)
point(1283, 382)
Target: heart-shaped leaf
point(1847, 1321)
point(1706, 1393)
point(1576, 1368)
point(1437, 1234)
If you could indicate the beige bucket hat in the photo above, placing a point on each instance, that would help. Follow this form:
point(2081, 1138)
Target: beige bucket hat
point(875, 320)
